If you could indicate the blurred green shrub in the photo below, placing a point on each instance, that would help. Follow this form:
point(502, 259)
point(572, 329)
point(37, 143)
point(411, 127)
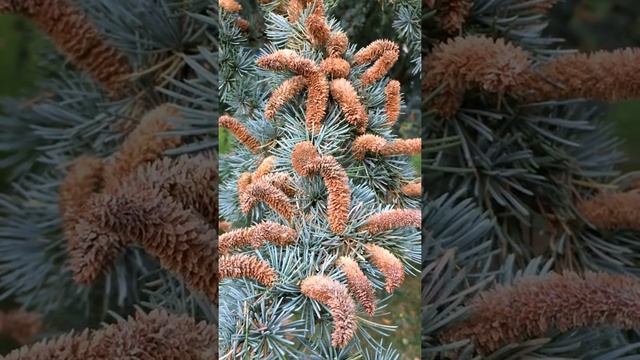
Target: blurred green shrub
point(18, 44)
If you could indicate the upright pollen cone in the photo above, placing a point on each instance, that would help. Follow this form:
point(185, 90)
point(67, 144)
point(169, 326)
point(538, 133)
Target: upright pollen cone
point(307, 162)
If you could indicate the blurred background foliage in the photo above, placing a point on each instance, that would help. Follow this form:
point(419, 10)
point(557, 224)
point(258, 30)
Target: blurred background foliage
point(18, 46)
point(19, 43)
point(596, 24)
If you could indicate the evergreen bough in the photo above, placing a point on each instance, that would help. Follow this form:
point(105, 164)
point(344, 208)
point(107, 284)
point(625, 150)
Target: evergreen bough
point(520, 167)
point(112, 202)
point(318, 230)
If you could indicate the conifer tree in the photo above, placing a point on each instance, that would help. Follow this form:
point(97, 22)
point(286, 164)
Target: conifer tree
point(318, 200)
point(535, 256)
point(112, 202)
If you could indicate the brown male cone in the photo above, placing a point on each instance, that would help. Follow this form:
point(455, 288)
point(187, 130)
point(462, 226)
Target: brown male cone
point(157, 335)
point(73, 33)
point(534, 306)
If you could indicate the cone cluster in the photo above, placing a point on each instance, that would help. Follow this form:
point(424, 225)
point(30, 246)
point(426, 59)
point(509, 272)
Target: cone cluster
point(320, 81)
point(138, 196)
point(157, 335)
